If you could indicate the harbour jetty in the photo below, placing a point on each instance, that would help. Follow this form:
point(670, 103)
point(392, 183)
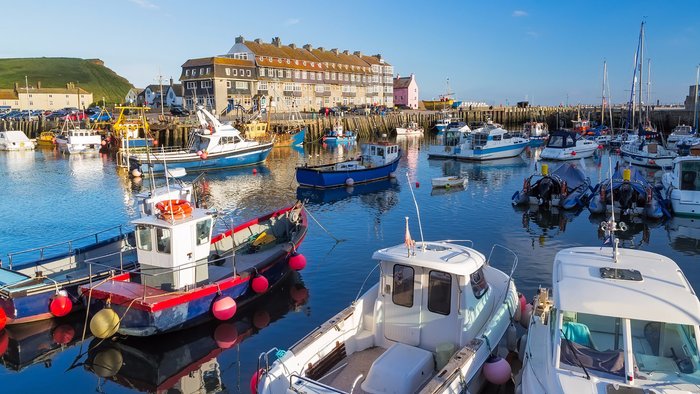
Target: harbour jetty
point(173, 131)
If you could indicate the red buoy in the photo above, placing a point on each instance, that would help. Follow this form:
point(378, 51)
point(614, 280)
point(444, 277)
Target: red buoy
point(254, 381)
point(155, 142)
point(224, 308)
point(61, 304)
point(3, 319)
point(255, 171)
point(297, 261)
point(63, 334)
point(259, 284)
point(417, 185)
point(573, 153)
point(4, 342)
point(226, 335)
point(204, 155)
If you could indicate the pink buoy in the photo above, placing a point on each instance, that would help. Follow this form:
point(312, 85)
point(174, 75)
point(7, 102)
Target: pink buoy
point(63, 334)
point(204, 155)
point(259, 284)
point(3, 319)
point(254, 381)
point(60, 305)
point(199, 153)
point(224, 308)
point(527, 315)
point(226, 335)
point(417, 184)
point(297, 261)
point(523, 302)
point(255, 171)
point(497, 370)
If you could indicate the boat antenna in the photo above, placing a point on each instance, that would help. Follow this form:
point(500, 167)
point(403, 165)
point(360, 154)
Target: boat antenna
point(420, 226)
point(609, 227)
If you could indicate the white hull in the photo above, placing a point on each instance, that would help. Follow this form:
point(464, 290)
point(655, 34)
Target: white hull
point(492, 153)
point(449, 181)
point(15, 140)
point(568, 153)
point(684, 193)
point(641, 157)
point(74, 149)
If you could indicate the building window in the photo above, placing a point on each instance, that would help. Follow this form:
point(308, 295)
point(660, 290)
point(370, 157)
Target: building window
point(228, 84)
point(303, 75)
point(50, 102)
point(318, 76)
point(208, 70)
point(247, 73)
point(289, 74)
point(312, 76)
point(280, 73)
point(235, 72)
point(262, 85)
point(402, 292)
point(241, 85)
point(187, 73)
point(297, 74)
point(194, 72)
point(327, 75)
point(262, 71)
point(201, 71)
point(228, 71)
point(31, 103)
point(206, 84)
point(242, 72)
point(191, 85)
point(333, 76)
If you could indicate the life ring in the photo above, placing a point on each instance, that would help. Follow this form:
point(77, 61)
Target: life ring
point(174, 209)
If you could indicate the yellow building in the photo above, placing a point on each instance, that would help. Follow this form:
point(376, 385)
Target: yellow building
point(38, 97)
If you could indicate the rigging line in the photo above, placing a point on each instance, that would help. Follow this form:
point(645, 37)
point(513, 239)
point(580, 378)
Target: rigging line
point(320, 225)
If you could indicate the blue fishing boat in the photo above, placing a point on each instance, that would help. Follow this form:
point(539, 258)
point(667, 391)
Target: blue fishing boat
point(378, 161)
point(628, 193)
point(212, 146)
point(186, 276)
point(338, 135)
point(566, 187)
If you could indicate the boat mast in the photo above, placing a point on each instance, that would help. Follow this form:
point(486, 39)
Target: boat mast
point(602, 104)
point(641, 64)
point(648, 89)
point(695, 105)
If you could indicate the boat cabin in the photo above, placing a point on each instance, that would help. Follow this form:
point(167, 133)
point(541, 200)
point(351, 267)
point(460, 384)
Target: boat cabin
point(688, 172)
point(562, 139)
point(633, 318)
point(488, 134)
point(173, 250)
point(433, 297)
point(14, 140)
point(379, 154)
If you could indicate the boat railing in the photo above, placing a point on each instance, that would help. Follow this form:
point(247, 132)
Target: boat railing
point(264, 365)
point(468, 242)
point(512, 268)
point(71, 246)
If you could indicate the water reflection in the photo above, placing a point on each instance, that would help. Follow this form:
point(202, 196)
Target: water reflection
point(384, 191)
point(188, 361)
point(684, 235)
point(635, 234)
point(542, 222)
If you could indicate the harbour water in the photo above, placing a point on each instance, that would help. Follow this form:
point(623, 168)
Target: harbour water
point(47, 198)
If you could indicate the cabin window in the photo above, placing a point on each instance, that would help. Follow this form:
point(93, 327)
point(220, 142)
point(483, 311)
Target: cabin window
point(507, 136)
point(163, 240)
point(496, 137)
point(690, 176)
point(380, 151)
point(439, 292)
point(372, 150)
point(203, 230)
point(478, 282)
point(143, 238)
point(402, 293)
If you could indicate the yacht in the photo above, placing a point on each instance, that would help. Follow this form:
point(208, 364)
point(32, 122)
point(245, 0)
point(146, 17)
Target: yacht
point(567, 145)
point(647, 154)
point(678, 134)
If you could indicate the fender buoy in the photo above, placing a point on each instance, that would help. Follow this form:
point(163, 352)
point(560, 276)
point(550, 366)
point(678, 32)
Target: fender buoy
point(60, 304)
point(297, 261)
point(259, 284)
point(3, 319)
point(105, 323)
point(254, 381)
point(497, 370)
point(224, 308)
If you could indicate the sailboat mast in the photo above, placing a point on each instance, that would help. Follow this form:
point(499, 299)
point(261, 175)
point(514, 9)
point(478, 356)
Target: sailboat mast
point(648, 87)
point(641, 64)
point(695, 105)
point(602, 104)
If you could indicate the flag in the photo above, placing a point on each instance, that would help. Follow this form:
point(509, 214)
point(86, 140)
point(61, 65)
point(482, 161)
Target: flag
point(407, 239)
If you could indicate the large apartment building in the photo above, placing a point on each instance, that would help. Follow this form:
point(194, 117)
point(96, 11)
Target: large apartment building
point(286, 77)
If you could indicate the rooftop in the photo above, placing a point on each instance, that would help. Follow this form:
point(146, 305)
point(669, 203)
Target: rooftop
point(664, 294)
point(440, 255)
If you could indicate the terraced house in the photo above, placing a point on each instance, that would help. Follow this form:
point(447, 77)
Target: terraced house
point(286, 77)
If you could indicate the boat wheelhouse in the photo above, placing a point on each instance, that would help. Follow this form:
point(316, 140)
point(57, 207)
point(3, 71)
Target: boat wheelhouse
point(567, 145)
point(78, 141)
point(338, 134)
point(412, 129)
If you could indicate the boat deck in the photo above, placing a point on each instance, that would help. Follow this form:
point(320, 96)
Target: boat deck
point(349, 368)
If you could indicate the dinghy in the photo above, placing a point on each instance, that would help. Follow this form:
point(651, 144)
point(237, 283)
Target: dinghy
point(449, 181)
point(632, 195)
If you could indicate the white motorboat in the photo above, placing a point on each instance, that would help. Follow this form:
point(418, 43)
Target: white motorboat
point(15, 140)
point(682, 185)
point(450, 181)
point(411, 129)
point(623, 137)
point(567, 145)
point(678, 134)
point(490, 142)
point(618, 321)
point(647, 154)
point(534, 129)
point(429, 325)
point(77, 140)
point(458, 126)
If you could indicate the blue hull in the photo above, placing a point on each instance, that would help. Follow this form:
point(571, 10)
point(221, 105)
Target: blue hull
point(336, 140)
point(311, 177)
point(194, 163)
point(298, 138)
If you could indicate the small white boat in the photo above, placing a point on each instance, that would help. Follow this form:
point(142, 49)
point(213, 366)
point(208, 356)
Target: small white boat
point(77, 140)
point(618, 321)
point(458, 126)
point(411, 129)
point(679, 133)
point(682, 185)
point(567, 145)
point(15, 140)
point(450, 181)
point(536, 130)
point(623, 137)
point(647, 154)
point(429, 326)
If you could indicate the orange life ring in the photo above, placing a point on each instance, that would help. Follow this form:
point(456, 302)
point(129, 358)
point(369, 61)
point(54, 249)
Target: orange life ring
point(174, 209)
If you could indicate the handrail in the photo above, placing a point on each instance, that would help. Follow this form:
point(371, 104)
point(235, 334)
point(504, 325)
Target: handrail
point(471, 243)
point(512, 268)
point(41, 249)
point(168, 271)
point(315, 383)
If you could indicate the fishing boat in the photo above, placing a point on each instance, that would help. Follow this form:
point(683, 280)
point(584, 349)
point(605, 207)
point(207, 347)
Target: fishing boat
point(339, 135)
point(378, 161)
point(449, 181)
point(439, 311)
point(436, 105)
point(632, 195)
point(566, 187)
point(442, 123)
point(187, 276)
point(412, 129)
point(567, 145)
point(46, 139)
point(15, 140)
point(617, 321)
point(536, 132)
point(682, 185)
point(131, 134)
point(581, 126)
point(647, 154)
point(75, 140)
point(214, 145)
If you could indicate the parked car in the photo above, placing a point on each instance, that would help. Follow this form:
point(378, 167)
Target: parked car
point(93, 111)
point(179, 111)
point(327, 110)
point(75, 116)
point(58, 114)
point(101, 117)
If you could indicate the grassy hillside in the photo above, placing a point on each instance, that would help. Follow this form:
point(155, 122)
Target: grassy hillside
point(57, 71)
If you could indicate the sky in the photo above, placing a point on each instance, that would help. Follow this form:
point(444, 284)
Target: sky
point(499, 52)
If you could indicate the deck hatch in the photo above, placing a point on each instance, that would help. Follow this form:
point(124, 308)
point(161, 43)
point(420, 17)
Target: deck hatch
point(621, 274)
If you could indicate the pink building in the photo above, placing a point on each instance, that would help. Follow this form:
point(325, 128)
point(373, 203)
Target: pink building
point(406, 92)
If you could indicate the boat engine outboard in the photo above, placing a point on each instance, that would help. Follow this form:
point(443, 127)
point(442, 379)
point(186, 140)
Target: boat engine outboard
point(545, 190)
point(625, 197)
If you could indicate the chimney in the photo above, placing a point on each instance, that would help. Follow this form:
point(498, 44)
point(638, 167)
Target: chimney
point(357, 53)
point(171, 81)
point(293, 46)
point(239, 40)
point(346, 52)
point(277, 42)
point(258, 41)
point(320, 49)
point(335, 50)
point(398, 76)
point(308, 47)
point(38, 84)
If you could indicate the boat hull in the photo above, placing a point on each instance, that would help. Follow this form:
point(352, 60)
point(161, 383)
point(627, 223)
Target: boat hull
point(501, 152)
point(310, 177)
point(192, 162)
point(641, 158)
point(295, 139)
point(567, 153)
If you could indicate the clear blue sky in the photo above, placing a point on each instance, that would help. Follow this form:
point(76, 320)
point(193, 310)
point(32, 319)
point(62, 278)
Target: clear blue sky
point(493, 51)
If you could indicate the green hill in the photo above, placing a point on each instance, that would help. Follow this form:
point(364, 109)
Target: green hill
point(55, 72)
